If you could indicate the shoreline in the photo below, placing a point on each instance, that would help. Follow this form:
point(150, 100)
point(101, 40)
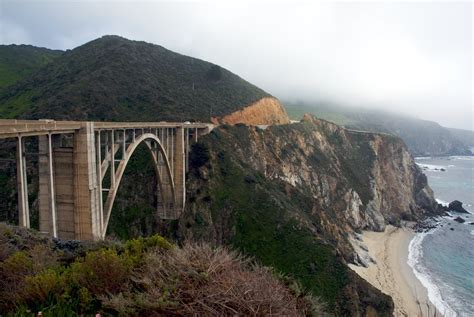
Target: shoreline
point(391, 273)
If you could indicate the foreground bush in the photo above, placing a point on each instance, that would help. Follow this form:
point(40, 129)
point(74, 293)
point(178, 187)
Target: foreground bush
point(142, 277)
point(199, 280)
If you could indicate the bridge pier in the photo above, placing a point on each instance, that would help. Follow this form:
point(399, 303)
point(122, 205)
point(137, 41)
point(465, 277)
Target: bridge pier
point(86, 194)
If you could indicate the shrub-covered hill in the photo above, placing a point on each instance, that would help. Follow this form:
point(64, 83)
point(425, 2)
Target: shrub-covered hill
point(140, 277)
point(19, 61)
point(112, 78)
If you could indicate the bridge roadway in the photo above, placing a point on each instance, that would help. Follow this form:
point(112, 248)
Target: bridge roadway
point(81, 165)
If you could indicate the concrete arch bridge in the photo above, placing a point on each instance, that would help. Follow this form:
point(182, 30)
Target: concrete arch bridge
point(81, 165)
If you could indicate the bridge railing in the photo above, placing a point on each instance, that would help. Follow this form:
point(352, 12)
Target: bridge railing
point(13, 128)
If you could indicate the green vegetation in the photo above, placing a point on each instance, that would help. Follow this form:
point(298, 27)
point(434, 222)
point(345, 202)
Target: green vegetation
point(266, 231)
point(19, 61)
point(296, 111)
point(116, 79)
point(17, 106)
point(145, 276)
point(8, 203)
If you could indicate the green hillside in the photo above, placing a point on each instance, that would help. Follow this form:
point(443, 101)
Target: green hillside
point(20, 61)
point(421, 136)
point(112, 78)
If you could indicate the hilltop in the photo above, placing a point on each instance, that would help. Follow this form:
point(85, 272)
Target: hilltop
point(19, 61)
point(115, 79)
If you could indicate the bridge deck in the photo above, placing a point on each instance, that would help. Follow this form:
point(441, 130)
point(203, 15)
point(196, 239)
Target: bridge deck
point(15, 128)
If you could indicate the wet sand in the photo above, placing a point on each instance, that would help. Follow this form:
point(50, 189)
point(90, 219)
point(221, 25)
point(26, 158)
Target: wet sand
point(392, 274)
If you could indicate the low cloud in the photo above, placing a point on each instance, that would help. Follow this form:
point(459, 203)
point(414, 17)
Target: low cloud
point(412, 58)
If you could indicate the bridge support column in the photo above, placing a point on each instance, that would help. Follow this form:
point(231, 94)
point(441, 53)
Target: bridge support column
point(86, 193)
point(47, 196)
point(179, 171)
point(22, 185)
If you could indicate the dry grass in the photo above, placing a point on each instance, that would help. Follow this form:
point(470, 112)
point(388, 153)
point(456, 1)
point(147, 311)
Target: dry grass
point(199, 280)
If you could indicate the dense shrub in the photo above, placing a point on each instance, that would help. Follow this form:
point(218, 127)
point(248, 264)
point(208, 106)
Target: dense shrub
point(42, 287)
point(17, 268)
point(143, 276)
point(12, 275)
point(102, 271)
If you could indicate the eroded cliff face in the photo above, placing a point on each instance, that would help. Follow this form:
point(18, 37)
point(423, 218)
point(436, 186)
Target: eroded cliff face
point(290, 193)
point(369, 179)
point(265, 111)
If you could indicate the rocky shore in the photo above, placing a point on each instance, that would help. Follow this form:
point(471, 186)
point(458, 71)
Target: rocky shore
point(431, 223)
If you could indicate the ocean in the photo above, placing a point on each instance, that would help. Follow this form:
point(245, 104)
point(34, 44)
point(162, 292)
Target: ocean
point(443, 259)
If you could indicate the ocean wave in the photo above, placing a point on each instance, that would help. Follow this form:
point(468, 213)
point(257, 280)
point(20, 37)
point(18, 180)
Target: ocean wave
point(462, 158)
point(432, 167)
point(415, 253)
point(423, 158)
point(442, 202)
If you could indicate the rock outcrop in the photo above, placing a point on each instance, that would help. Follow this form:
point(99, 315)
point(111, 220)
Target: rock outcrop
point(456, 206)
point(265, 111)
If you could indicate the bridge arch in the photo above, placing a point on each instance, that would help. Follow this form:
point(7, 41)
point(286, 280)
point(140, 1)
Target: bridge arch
point(148, 139)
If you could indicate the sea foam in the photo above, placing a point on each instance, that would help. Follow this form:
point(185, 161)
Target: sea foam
point(442, 202)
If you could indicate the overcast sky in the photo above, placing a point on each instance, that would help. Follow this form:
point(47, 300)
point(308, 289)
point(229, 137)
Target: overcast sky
point(414, 58)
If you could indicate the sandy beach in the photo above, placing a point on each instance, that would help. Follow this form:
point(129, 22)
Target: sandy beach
point(391, 273)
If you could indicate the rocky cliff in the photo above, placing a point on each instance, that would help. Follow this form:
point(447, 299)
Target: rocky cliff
point(295, 195)
point(266, 111)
